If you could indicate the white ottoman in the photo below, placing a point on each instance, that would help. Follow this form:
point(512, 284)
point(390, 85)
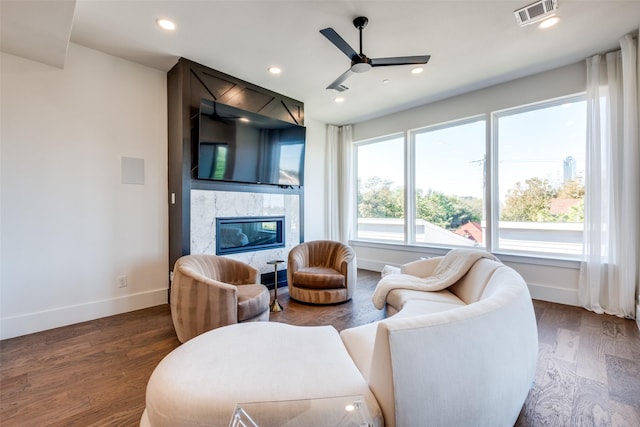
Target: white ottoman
point(200, 382)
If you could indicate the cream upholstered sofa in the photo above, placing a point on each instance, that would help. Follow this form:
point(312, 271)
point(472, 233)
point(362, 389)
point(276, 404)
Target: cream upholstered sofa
point(462, 356)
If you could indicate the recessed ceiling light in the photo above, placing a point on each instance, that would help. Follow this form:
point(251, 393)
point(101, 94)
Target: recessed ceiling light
point(386, 81)
point(339, 99)
point(549, 22)
point(417, 70)
point(166, 24)
point(275, 70)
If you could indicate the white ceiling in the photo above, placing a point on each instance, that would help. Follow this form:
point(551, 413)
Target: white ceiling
point(473, 44)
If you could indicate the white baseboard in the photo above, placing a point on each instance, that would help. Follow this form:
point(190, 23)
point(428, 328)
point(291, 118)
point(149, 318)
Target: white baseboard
point(40, 321)
point(553, 294)
point(372, 265)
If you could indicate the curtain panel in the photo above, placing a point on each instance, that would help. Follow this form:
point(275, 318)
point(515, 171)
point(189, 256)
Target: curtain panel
point(339, 183)
point(609, 271)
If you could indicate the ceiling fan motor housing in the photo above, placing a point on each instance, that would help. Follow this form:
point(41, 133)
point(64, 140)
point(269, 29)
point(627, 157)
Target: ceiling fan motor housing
point(361, 65)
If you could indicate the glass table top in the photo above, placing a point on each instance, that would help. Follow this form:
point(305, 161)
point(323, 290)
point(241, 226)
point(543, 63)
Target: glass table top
point(342, 411)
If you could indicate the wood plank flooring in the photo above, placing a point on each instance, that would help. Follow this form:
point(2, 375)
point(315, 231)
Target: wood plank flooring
point(95, 373)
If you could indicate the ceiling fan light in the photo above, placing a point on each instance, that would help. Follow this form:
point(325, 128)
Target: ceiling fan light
point(361, 67)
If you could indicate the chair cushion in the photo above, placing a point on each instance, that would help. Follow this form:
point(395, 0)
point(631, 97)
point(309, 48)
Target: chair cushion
point(399, 297)
point(252, 300)
point(318, 278)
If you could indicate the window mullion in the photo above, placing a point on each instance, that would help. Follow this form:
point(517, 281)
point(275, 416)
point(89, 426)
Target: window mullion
point(409, 188)
point(493, 199)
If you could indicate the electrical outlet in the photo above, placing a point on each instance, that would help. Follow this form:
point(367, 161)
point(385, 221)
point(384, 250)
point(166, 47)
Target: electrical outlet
point(122, 282)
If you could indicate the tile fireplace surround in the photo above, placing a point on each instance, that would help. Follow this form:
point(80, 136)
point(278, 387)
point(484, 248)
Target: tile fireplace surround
point(207, 205)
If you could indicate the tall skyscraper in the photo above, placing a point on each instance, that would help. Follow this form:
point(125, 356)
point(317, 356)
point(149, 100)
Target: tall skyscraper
point(569, 168)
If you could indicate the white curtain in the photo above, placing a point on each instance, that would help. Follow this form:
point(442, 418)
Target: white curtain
point(609, 272)
point(339, 173)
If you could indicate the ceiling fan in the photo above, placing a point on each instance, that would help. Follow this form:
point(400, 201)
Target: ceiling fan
point(360, 63)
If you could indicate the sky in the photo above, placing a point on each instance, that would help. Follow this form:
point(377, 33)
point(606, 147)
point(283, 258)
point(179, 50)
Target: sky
point(532, 143)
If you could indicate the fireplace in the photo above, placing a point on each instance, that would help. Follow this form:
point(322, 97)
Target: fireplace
point(249, 234)
point(208, 205)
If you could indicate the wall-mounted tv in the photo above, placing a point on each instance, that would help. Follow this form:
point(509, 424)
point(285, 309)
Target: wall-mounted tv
point(239, 146)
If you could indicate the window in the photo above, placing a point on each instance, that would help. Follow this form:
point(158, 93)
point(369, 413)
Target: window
point(380, 189)
point(449, 165)
point(540, 177)
point(530, 201)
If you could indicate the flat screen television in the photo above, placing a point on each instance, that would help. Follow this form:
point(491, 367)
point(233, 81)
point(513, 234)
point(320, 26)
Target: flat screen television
point(239, 146)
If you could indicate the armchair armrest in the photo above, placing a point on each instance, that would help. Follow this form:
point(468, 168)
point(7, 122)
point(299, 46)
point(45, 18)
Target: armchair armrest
point(199, 303)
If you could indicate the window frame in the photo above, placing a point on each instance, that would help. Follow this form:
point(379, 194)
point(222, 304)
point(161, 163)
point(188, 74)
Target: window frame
point(354, 165)
point(495, 174)
point(491, 202)
point(411, 184)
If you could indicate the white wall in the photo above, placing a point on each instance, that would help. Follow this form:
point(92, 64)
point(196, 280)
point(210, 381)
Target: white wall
point(563, 81)
point(314, 179)
point(550, 280)
point(69, 227)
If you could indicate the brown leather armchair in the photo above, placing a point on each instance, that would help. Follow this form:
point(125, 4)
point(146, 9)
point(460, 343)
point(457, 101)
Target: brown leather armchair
point(209, 291)
point(322, 272)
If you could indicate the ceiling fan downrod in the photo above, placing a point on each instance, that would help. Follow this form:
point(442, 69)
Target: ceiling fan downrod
point(360, 64)
point(360, 22)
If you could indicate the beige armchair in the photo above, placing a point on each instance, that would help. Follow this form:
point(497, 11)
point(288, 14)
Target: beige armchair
point(322, 272)
point(209, 291)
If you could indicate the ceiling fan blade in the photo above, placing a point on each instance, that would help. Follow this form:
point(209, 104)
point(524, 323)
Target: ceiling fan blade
point(339, 42)
point(400, 60)
point(337, 83)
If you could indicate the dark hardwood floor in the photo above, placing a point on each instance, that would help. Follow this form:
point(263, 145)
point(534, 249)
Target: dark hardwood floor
point(95, 373)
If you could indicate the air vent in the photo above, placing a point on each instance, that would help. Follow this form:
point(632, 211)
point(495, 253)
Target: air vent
point(536, 12)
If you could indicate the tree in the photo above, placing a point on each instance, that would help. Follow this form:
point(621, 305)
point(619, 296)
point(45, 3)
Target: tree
point(377, 199)
point(449, 212)
point(575, 213)
point(528, 202)
point(571, 189)
point(434, 208)
point(532, 201)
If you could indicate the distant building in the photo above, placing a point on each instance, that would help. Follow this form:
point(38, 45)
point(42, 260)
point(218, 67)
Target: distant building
point(562, 206)
point(569, 168)
point(471, 230)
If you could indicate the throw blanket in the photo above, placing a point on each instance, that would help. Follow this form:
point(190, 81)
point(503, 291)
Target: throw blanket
point(451, 268)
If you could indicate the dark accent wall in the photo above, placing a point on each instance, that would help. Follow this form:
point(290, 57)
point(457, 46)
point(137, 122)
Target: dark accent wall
point(187, 83)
